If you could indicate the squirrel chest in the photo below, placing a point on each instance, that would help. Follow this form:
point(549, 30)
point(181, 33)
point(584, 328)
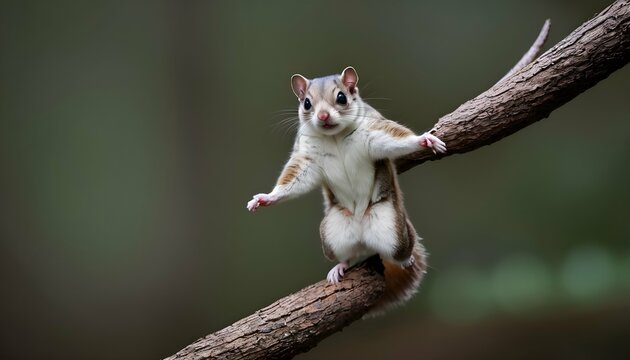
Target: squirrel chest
point(348, 171)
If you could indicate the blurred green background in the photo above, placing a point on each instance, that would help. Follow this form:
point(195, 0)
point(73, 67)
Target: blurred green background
point(133, 133)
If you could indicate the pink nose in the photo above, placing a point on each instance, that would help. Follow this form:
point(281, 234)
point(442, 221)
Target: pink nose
point(323, 115)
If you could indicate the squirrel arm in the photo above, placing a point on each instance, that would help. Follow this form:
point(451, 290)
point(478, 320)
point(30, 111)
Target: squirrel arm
point(388, 139)
point(299, 176)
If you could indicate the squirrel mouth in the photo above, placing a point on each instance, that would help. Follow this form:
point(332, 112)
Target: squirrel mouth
point(329, 126)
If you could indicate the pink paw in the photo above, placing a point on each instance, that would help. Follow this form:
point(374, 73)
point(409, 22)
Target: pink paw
point(336, 273)
point(432, 142)
point(259, 200)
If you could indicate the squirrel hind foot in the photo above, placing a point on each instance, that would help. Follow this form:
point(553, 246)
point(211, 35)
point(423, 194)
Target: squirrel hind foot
point(409, 262)
point(336, 273)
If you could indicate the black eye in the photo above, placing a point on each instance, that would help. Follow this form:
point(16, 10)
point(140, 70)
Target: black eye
point(341, 98)
point(307, 104)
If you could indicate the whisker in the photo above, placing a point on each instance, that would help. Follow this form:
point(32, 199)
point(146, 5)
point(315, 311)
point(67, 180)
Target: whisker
point(366, 86)
point(285, 113)
point(288, 124)
point(287, 110)
point(364, 116)
point(377, 98)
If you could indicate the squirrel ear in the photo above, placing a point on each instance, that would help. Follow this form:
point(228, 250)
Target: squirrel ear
point(299, 84)
point(350, 78)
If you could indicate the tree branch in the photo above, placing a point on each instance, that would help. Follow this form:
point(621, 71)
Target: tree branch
point(588, 55)
point(299, 321)
point(295, 323)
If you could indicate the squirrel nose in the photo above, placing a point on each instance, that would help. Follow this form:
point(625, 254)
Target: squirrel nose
point(323, 115)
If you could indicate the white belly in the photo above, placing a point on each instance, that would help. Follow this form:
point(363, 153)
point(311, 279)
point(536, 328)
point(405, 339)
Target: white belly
point(349, 173)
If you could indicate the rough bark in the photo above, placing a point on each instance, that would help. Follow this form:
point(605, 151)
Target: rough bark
point(588, 55)
point(299, 321)
point(295, 323)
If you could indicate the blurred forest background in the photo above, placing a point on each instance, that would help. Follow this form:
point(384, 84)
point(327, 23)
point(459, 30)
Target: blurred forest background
point(133, 133)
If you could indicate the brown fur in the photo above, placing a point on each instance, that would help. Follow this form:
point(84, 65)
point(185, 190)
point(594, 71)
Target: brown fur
point(401, 283)
point(388, 190)
point(392, 128)
point(329, 197)
point(292, 170)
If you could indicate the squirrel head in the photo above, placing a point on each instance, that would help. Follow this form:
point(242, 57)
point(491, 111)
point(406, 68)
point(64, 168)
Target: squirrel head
point(330, 104)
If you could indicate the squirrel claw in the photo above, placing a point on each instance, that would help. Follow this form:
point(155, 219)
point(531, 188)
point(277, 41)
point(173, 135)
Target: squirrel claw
point(336, 273)
point(409, 262)
point(432, 142)
point(252, 205)
point(258, 200)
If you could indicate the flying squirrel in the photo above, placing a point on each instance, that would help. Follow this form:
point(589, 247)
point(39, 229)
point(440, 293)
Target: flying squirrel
point(347, 148)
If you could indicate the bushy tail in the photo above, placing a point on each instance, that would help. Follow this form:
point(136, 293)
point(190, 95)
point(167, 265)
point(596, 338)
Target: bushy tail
point(401, 283)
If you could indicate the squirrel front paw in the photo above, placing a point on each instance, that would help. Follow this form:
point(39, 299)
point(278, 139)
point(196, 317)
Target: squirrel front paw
point(259, 200)
point(432, 142)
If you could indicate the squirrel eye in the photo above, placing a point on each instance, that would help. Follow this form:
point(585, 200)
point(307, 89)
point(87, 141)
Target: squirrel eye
point(341, 98)
point(307, 104)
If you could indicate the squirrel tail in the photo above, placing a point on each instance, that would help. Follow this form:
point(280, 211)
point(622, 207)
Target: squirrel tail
point(401, 283)
point(532, 53)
